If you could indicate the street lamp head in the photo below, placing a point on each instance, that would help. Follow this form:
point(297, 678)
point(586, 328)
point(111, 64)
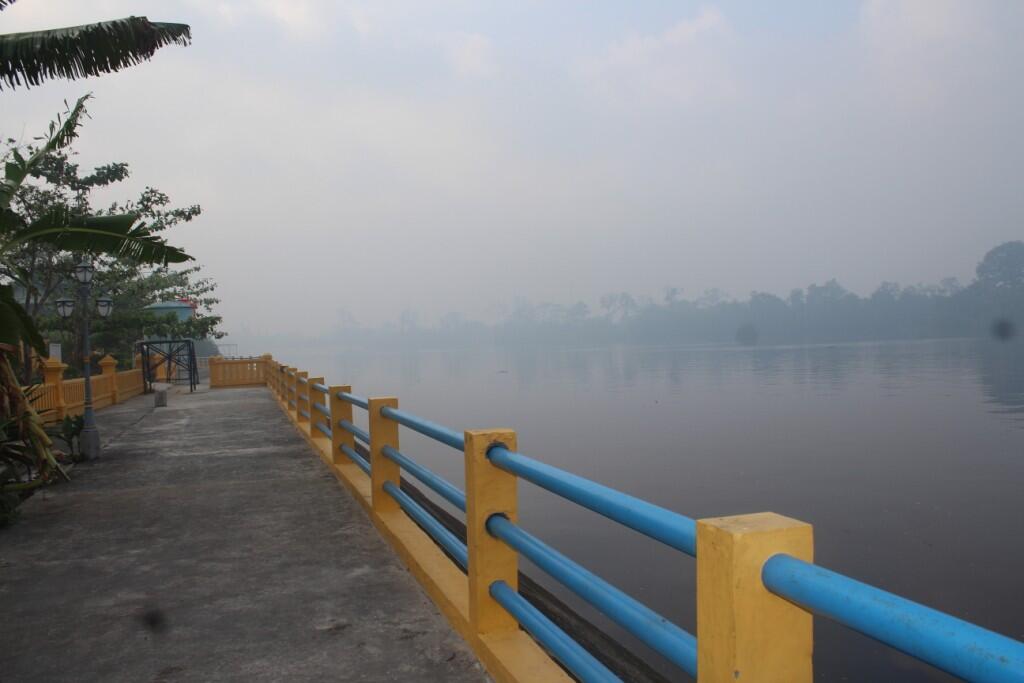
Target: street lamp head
point(65, 307)
point(84, 271)
point(104, 306)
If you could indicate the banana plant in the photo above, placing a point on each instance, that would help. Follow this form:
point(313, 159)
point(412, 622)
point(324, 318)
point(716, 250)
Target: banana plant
point(117, 235)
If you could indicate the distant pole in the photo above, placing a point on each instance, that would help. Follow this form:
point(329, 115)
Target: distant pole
point(89, 439)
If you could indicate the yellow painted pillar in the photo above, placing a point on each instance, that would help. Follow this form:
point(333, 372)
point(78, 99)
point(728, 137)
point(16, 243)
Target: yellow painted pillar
point(383, 432)
point(340, 410)
point(489, 491)
point(314, 397)
point(53, 376)
point(301, 389)
point(267, 363)
point(744, 632)
point(293, 394)
point(108, 368)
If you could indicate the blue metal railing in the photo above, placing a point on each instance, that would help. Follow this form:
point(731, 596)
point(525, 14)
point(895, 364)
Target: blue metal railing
point(355, 431)
point(671, 528)
point(291, 403)
point(303, 397)
point(953, 645)
point(446, 539)
point(565, 649)
point(439, 485)
point(356, 458)
point(323, 428)
point(322, 409)
point(426, 427)
point(304, 413)
point(303, 380)
point(948, 643)
point(354, 400)
point(322, 388)
point(654, 630)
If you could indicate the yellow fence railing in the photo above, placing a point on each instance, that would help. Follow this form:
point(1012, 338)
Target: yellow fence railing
point(238, 372)
point(57, 398)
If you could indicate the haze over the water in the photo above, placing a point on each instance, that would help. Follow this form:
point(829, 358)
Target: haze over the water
point(361, 159)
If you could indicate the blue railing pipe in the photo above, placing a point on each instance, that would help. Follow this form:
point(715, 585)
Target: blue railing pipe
point(322, 388)
point(360, 401)
point(672, 642)
point(355, 431)
point(323, 428)
point(438, 484)
point(437, 531)
point(566, 650)
point(303, 380)
point(356, 458)
point(426, 427)
point(304, 413)
point(322, 408)
point(671, 528)
point(953, 645)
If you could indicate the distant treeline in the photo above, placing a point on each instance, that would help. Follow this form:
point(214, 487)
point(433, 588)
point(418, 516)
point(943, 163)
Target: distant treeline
point(992, 304)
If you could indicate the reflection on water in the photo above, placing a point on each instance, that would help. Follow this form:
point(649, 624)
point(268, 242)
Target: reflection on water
point(907, 458)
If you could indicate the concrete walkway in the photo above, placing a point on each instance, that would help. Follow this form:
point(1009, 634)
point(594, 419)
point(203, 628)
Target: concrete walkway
point(210, 544)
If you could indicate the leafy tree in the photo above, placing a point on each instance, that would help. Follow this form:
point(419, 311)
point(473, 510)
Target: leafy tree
point(26, 448)
point(1002, 267)
point(63, 183)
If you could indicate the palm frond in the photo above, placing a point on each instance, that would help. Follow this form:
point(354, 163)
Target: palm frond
point(110, 235)
point(16, 325)
point(60, 135)
point(4, 3)
point(87, 50)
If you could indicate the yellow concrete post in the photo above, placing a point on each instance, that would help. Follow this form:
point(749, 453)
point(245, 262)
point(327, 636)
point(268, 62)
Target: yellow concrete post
point(108, 368)
point(301, 389)
point(489, 491)
point(268, 363)
point(314, 397)
point(53, 375)
point(293, 393)
point(340, 410)
point(744, 632)
point(383, 432)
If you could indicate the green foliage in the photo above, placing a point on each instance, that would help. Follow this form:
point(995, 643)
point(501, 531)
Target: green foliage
point(68, 431)
point(87, 50)
point(41, 227)
point(16, 326)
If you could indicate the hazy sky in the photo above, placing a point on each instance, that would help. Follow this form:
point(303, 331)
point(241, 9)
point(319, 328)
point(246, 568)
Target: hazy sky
point(378, 156)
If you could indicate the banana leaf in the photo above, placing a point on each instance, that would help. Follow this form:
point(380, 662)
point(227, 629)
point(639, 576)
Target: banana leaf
point(117, 235)
point(87, 50)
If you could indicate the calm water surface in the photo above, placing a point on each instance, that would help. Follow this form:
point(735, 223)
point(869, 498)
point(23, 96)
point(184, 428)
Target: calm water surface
point(908, 458)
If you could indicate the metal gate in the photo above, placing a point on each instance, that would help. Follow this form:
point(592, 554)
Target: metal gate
point(169, 360)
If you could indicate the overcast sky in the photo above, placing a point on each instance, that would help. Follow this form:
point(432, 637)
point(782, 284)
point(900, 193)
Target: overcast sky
point(378, 156)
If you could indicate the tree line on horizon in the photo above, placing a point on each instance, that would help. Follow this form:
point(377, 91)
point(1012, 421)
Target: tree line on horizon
point(990, 305)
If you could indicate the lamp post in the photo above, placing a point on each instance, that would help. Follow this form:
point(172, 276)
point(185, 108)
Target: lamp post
point(89, 439)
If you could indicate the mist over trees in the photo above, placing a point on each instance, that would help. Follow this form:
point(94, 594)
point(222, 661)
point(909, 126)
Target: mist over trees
point(992, 304)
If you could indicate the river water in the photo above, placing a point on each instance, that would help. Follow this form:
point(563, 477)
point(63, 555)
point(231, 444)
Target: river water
point(908, 459)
